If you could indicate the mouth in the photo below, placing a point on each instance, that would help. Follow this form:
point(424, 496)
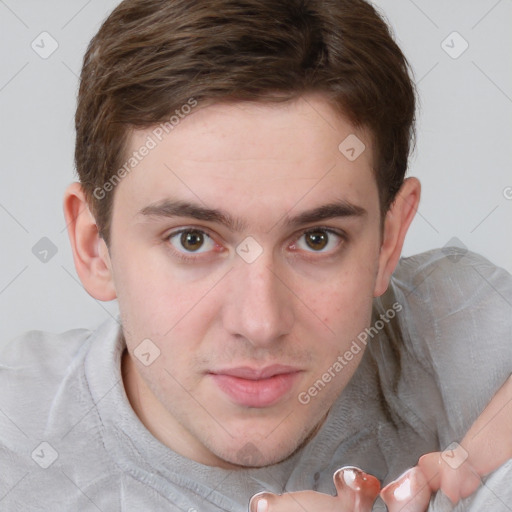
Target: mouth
point(256, 387)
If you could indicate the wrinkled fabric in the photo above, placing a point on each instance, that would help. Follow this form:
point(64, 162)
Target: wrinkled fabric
point(424, 378)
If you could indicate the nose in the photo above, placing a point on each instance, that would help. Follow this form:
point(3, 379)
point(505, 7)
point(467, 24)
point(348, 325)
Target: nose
point(259, 306)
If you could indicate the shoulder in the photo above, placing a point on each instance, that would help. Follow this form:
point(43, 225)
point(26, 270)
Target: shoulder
point(34, 349)
point(455, 271)
point(457, 324)
point(455, 299)
point(32, 368)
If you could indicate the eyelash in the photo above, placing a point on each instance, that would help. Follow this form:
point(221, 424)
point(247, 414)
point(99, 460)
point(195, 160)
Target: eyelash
point(193, 259)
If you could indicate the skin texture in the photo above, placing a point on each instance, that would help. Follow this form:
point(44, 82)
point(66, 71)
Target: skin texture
point(293, 305)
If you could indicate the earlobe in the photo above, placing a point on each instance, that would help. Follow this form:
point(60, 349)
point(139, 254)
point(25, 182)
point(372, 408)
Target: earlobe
point(396, 224)
point(90, 253)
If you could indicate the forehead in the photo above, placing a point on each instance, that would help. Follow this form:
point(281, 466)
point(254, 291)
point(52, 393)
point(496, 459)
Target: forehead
point(273, 153)
point(244, 130)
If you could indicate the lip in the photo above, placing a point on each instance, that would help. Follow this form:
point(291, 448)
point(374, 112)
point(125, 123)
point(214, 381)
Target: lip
point(256, 387)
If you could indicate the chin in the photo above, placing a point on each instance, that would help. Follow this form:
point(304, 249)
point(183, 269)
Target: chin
point(250, 443)
point(264, 452)
point(250, 456)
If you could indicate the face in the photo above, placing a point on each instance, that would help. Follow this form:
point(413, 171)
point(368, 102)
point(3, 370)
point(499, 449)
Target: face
point(244, 254)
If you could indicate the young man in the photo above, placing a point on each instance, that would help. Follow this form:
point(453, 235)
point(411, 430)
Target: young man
point(242, 195)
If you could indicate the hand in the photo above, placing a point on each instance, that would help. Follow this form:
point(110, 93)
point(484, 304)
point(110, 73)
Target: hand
point(356, 492)
point(485, 447)
point(412, 491)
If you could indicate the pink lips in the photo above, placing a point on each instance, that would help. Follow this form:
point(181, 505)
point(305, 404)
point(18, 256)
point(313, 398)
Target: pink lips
point(256, 387)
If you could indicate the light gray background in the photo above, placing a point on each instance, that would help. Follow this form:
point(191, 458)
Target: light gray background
point(463, 156)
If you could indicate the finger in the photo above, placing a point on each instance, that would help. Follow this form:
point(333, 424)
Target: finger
point(459, 483)
point(469, 482)
point(295, 502)
point(431, 466)
point(455, 482)
point(357, 491)
point(259, 502)
point(409, 493)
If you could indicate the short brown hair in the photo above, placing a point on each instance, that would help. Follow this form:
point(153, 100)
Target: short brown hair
point(150, 57)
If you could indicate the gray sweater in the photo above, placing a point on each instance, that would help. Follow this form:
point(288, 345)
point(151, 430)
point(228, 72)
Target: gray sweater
point(70, 441)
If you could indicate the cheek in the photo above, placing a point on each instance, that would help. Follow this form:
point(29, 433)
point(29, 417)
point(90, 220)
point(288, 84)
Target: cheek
point(145, 298)
point(139, 294)
point(347, 303)
point(346, 308)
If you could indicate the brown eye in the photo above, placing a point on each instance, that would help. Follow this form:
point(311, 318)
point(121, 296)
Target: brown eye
point(320, 240)
point(191, 241)
point(317, 240)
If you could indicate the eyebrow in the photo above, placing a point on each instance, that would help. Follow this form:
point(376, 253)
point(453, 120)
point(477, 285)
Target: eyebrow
point(169, 209)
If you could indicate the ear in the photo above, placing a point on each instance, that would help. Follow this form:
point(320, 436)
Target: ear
point(90, 253)
point(397, 222)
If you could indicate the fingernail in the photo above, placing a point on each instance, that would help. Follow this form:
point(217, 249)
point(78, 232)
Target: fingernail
point(400, 489)
point(403, 491)
point(365, 486)
point(409, 493)
point(351, 477)
point(261, 503)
